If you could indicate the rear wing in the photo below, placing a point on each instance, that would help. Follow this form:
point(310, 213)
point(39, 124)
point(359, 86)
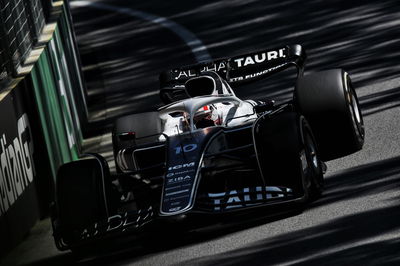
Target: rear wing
point(235, 70)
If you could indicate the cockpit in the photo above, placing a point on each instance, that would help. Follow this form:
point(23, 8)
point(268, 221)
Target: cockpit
point(212, 102)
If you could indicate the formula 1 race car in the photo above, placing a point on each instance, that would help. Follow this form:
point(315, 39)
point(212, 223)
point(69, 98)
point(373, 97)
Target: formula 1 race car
point(208, 152)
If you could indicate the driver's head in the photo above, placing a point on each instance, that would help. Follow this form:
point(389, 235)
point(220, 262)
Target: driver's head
point(203, 117)
point(203, 113)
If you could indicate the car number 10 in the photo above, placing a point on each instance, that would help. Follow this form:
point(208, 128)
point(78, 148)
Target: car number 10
point(185, 148)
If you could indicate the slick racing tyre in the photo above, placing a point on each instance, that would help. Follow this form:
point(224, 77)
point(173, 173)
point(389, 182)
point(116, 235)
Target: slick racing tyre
point(313, 171)
point(288, 155)
point(329, 102)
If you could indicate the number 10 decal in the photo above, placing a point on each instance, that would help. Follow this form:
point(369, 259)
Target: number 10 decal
point(185, 148)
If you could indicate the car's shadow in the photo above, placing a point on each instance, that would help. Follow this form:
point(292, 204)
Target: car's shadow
point(310, 243)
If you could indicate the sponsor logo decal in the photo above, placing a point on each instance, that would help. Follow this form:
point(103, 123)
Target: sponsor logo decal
point(16, 164)
point(237, 63)
point(257, 74)
point(118, 222)
point(180, 179)
point(174, 209)
point(216, 67)
point(246, 197)
point(177, 192)
point(180, 173)
point(259, 58)
point(179, 166)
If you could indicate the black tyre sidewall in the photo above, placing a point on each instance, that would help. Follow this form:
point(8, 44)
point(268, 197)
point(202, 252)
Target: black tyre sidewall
point(315, 176)
point(280, 144)
point(359, 131)
point(324, 99)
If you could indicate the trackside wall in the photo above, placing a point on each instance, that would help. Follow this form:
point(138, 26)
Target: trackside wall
point(42, 110)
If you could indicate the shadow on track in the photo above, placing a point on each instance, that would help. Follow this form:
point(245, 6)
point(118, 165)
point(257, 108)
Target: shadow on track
point(363, 180)
point(322, 244)
point(325, 244)
point(380, 101)
point(309, 246)
point(123, 56)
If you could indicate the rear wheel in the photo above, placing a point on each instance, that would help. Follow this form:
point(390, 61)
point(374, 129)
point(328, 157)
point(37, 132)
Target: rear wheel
point(329, 102)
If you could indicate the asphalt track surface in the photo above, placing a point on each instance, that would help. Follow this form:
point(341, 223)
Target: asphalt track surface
point(125, 44)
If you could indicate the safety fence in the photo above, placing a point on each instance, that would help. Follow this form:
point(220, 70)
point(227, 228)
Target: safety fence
point(21, 24)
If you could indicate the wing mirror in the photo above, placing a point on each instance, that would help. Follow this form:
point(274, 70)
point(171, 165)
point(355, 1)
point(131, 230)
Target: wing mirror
point(127, 136)
point(265, 106)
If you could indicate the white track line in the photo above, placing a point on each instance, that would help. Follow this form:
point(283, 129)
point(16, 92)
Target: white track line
point(198, 49)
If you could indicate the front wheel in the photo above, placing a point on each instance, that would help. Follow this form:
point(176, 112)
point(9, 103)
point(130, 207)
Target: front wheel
point(288, 154)
point(312, 166)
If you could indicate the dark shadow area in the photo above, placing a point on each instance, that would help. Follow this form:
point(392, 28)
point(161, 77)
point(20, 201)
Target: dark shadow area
point(361, 181)
point(380, 101)
point(162, 237)
point(307, 246)
point(324, 244)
